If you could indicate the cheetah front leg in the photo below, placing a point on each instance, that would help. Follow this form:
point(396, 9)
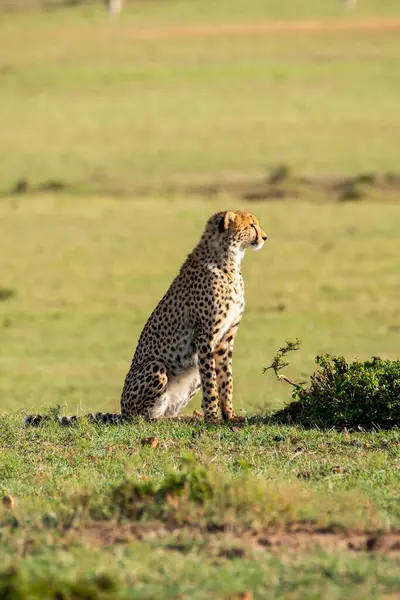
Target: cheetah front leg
point(223, 360)
point(208, 377)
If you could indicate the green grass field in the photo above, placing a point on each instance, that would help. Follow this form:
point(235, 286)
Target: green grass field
point(99, 111)
point(86, 274)
point(286, 513)
point(260, 510)
point(79, 279)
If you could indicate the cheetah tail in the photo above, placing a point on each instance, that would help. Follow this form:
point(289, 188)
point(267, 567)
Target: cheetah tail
point(100, 418)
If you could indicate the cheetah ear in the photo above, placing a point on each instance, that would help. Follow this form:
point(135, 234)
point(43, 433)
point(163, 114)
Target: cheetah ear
point(226, 220)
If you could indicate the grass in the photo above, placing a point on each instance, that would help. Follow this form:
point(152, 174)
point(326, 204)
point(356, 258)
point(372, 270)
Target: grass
point(78, 287)
point(98, 111)
point(201, 575)
point(263, 480)
point(207, 11)
point(85, 275)
point(283, 512)
point(51, 464)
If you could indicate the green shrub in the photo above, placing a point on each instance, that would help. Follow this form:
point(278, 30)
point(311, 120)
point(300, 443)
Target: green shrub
point(356, 394)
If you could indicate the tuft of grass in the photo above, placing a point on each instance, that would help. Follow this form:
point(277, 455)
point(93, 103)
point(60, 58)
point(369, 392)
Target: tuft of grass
point(192, 482)
point(15, 585)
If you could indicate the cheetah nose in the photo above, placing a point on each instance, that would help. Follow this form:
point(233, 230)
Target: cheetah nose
point(265, 237)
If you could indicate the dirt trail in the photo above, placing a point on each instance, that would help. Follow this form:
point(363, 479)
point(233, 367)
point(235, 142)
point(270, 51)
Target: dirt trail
point(267, 27)
point(295, 536)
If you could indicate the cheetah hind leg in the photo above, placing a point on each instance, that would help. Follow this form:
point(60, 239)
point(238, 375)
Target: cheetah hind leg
point(145, 391)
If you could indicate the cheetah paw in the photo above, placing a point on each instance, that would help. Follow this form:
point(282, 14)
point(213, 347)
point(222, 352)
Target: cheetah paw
point(233, 418)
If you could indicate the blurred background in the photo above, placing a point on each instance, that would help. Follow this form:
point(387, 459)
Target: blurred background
point(124, 125)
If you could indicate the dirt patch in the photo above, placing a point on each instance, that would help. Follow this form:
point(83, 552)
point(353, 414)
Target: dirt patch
point(280, 183)
point(23, 186)
point(103, 534)
point(303, 537)
point(235, 540)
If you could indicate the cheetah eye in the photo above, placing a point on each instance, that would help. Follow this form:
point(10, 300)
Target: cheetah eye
point(254, 227)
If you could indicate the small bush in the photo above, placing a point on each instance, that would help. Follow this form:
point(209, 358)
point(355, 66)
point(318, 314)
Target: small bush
point(356, 394)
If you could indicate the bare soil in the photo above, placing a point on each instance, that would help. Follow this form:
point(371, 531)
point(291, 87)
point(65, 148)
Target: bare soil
point(239, 539)
point(278, 183)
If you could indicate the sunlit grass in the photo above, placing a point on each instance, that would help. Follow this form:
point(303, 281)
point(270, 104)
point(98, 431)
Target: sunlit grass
point(97, 110)
point(86, 105)
point(85, 275)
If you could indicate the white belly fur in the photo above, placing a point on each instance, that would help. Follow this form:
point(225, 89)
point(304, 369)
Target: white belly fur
point(180, 390)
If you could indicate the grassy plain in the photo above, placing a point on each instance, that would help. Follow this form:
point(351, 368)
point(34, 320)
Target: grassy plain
point(283, 512)
point(83, 277)
point(77, 287)
point(96, 109)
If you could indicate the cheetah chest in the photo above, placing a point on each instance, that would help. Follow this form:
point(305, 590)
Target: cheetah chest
point(234, 310)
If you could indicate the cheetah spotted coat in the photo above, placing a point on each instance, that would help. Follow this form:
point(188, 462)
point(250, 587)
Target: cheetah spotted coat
point(188, 339)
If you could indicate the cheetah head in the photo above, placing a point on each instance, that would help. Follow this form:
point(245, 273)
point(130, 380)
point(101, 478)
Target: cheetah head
point(240, 229)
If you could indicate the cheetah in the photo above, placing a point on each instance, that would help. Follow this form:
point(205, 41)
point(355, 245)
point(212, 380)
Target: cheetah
point(187, 342)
